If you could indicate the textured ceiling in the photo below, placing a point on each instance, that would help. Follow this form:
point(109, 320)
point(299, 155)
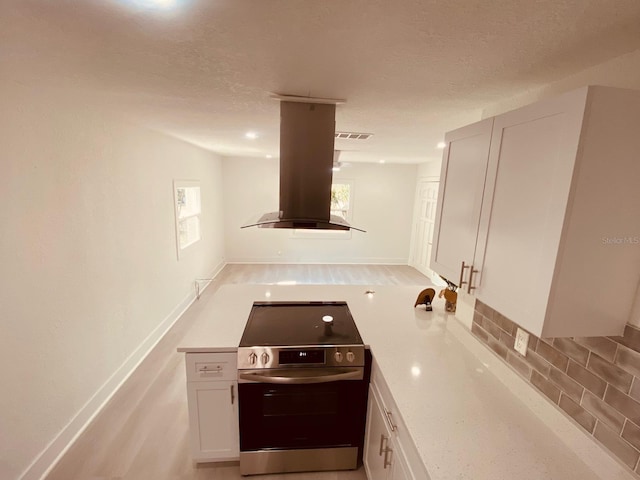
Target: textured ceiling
point(409, 69)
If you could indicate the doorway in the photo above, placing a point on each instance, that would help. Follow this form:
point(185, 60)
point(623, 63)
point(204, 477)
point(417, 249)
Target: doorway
point(424, 222)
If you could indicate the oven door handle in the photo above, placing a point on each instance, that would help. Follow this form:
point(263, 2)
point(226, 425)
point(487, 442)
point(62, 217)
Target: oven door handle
point(294, 377)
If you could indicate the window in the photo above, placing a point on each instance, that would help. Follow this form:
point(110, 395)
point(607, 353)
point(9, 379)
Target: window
point(341, 206)
point(187, 207)
point(341, 200)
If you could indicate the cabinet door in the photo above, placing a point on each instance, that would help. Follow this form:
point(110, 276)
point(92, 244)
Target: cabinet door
point(464, 169)
point(213, 420)
point(399, 469)
point(531, 163)
point(377, 440)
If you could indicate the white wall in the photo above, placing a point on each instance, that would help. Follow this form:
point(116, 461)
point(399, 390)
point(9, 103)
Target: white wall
point(623, 72)
point(383, 205)
point(90, 277)
point(430, 170)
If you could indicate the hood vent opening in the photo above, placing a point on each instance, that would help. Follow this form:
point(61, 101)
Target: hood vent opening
point(353, 136)
point(337, 164)
point(307, 132)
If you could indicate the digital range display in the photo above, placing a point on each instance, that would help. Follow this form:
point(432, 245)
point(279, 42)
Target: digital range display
point(295, 357)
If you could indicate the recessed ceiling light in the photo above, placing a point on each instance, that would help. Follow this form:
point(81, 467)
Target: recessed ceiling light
point(269, 156)
point(165, 3)
point(155, 4)
point(251, 135)
point(381, 161)
point(441, 145)
point(335, 169)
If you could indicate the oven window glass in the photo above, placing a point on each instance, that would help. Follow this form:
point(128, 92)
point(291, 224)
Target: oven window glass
point(322, 405)
point(301, 416)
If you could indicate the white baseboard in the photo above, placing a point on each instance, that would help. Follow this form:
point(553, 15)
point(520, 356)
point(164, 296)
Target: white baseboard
point(349, 261)
point(52, 453)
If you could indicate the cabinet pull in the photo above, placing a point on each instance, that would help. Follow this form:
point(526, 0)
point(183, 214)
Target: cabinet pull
point(392, 426)
point(205, 369)
point(387, 458)
point(470, 286)
point(462, 269)
point(233, 396)
point(383, 439)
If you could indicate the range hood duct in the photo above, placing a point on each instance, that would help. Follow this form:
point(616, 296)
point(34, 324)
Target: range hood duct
point(307, 132)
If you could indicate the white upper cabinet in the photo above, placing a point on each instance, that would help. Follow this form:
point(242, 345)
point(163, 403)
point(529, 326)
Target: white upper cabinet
point(558, 243)
point(464, 168)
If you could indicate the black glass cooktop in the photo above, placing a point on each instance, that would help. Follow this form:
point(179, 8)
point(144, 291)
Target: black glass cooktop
point(299, 324)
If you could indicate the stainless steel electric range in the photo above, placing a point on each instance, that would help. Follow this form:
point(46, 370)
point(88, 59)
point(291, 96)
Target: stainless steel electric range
point(303, 374)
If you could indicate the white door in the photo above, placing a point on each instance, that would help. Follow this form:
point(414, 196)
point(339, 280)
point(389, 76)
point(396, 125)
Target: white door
point(425, 221)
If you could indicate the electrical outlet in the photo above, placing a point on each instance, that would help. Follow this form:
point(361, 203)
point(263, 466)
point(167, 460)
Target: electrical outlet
point(522, 341)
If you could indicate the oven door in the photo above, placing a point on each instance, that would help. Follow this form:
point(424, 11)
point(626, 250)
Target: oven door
point(310, 412)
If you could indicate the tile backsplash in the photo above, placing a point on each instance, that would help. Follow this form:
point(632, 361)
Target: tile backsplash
point(595, 381)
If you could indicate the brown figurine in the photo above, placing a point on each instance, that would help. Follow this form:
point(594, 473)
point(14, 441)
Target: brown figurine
point(425, 297)
point(450, 299)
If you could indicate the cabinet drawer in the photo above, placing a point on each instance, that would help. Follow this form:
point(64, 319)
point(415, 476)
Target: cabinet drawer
point(207, 367)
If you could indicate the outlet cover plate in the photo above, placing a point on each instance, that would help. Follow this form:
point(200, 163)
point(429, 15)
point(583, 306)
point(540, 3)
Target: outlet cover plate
point(522, 341)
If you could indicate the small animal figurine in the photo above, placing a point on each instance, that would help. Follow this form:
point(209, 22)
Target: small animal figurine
point(450, 298)
point(425, 297)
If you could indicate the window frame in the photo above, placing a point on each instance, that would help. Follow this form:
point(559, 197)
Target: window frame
point(349, 217)
point(186, 184)
point(331, 234)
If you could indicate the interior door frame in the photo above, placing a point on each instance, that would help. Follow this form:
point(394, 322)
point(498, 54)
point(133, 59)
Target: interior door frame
point(414, 227)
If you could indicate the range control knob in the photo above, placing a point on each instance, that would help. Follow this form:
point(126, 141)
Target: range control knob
point(253, 359)
point(338, 356)
point(351, 356)
point(264, 358)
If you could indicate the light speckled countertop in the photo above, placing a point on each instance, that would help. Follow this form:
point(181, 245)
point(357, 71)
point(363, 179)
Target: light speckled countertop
point(469, 416)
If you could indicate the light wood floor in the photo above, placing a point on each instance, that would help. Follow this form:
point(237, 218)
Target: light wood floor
point(142, 433)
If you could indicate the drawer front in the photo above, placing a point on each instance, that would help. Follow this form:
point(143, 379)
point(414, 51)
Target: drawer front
point(207, 367)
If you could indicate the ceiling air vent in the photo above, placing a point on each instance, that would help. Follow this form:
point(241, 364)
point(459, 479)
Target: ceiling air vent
point(353, 135)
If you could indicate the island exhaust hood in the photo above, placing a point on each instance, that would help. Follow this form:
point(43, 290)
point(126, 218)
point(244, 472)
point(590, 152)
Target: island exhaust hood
point(307, 132)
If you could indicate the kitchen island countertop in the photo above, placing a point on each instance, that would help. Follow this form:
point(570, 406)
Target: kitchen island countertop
point(469, 415)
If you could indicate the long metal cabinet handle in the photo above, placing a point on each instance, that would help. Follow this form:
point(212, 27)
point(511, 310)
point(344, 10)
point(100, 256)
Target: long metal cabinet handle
point(383, 439)
point(392, 426)
point(470, 286)
point(462, 269)
point(233, 396)
point(355, 374)
point(387, 460)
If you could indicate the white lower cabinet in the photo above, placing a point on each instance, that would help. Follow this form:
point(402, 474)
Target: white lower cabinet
point(212, 393)
point(377, 439)
point(389, 453)
point(382, 455)
point(399, 470)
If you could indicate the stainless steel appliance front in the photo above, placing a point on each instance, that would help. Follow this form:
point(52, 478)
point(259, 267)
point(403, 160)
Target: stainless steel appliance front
point(303, 375)
point(285, 461)
point(301, 419)
point(304, 356)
